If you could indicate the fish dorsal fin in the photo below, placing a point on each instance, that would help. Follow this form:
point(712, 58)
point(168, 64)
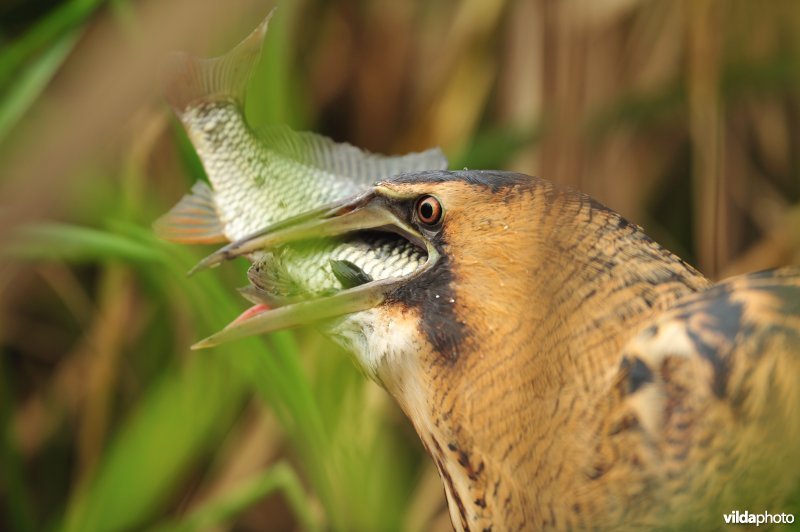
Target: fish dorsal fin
point(192, 80)
point(193, 220)
point(344, 159)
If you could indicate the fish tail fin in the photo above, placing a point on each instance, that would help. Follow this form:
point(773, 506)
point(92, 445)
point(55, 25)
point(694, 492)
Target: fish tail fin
point(193, 220)
point(192, 80)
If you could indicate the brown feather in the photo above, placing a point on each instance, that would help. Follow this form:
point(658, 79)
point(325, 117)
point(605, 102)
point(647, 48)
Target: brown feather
point(552, 412)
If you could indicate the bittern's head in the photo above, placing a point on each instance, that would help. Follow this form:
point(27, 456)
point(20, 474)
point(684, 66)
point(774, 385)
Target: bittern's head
point(474, 229)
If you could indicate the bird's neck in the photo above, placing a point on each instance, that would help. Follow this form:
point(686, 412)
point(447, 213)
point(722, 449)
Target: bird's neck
point(601, 280)
point(576, 282)
point(548, 318)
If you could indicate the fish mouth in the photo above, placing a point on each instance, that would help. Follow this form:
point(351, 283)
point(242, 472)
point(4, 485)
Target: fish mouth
point(372, 212)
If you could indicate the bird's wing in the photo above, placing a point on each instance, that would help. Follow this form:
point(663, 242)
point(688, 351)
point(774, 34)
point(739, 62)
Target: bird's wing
point(706, 399)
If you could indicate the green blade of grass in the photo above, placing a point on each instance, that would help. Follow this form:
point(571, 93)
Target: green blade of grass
point(280, 477)
point(495, 148)
point(30, 84)
point(58, 23)
point(55, 241)
point(276, 374)
point(171, 428)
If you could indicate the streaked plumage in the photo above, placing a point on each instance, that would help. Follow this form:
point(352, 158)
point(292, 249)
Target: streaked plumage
point(562, 369)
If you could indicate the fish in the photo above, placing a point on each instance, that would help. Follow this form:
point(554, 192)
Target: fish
point(323, 268)
point(261, 177)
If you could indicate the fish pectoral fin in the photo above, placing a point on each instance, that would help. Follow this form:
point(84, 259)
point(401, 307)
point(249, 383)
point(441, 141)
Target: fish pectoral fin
point(193, 220)
point(349, 274)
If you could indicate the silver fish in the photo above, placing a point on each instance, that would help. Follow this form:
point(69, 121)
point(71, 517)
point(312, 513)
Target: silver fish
point(327, 267)
point(260, 177)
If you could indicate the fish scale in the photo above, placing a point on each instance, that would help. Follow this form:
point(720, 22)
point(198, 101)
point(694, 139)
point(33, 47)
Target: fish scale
point(262, 176)
point(379, 257)
point(246, 174)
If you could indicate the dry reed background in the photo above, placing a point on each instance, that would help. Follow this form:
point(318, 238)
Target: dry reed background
point(684, 115)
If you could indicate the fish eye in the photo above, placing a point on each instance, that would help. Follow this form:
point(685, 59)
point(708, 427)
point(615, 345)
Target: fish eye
point(429, 210)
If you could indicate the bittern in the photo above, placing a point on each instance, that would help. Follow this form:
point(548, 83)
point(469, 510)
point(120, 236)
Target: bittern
point(561, 368)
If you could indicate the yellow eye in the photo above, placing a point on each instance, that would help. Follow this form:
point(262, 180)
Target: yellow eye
point(429, 210)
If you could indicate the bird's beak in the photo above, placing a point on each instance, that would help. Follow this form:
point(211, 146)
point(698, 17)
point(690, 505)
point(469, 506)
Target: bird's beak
point(369, 211)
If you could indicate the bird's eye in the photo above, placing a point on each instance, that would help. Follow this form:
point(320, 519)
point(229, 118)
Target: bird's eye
point(429, 210)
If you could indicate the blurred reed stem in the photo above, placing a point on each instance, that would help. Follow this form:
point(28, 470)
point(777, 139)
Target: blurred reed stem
point(280, 477)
